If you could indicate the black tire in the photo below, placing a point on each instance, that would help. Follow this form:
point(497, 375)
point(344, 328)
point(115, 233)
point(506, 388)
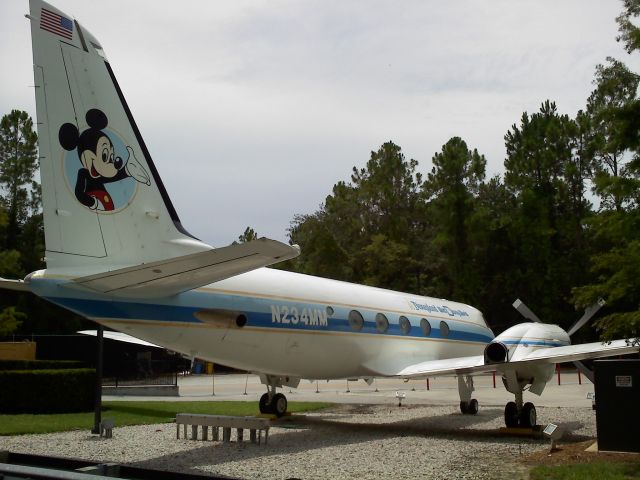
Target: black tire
point(279, 404)
point(464, 407)
point(472, 408)
point(511, 415)
point(528, 416)
point(265, 406)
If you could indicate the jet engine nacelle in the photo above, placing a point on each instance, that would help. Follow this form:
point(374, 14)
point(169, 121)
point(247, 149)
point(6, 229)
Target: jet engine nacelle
point(496, 352)
point(520, 340)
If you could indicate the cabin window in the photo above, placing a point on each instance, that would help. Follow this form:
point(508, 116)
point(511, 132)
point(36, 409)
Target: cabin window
point(382, 324)
point(444, 329)
point(425, 326)
point(356, 322)
point(405, 325)
point(330, 311)
point(241, 320)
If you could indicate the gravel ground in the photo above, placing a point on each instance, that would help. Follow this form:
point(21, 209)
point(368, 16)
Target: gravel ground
point(349, 441)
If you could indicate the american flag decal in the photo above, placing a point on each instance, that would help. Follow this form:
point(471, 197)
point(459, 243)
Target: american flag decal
point(54, 23)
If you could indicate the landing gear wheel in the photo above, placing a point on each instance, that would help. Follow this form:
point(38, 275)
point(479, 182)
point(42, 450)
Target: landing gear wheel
point(470, 407)
point(279, 404)
point(528, 416)
point(265, 406)
point(511, 415)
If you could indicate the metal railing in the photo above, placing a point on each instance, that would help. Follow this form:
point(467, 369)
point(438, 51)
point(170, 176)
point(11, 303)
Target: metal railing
point(161, 379)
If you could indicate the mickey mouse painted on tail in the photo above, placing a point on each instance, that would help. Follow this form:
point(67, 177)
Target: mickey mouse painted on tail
point(99, 161)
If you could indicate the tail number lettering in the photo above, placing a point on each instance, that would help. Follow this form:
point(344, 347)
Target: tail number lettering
point(292, 315)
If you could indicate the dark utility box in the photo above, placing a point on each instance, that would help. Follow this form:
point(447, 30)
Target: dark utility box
point(617, 388)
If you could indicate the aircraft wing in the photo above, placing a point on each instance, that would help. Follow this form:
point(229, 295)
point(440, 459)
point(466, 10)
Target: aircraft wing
point(120, 337)
point(450, 366)
point(585, 351)
point(179, 274)
point(475, 364)
point(17, 285)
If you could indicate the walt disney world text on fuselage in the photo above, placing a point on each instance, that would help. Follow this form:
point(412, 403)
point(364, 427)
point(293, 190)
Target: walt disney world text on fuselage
point(99, 163)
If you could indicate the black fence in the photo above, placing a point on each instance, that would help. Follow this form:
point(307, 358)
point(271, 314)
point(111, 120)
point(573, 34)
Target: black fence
point(162, 379)
point(147, 371)
point(124, 363)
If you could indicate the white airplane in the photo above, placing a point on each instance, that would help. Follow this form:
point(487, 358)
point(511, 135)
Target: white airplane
point(117, 254)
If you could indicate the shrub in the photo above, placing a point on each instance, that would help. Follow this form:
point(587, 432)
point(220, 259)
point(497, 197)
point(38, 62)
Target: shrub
point(39, 364)
point(47, 391)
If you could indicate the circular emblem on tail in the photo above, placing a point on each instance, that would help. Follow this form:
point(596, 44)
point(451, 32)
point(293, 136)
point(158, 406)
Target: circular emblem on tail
point(101, 169)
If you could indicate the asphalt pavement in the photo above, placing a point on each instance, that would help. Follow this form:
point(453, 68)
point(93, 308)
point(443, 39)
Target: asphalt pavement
point(437, 391)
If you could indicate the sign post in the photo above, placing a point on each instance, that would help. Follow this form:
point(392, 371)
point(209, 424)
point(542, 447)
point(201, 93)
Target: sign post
point(97, 411)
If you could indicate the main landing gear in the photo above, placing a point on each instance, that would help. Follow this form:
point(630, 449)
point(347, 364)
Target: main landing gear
point(517, 414)
point(274, 403)
point(468, 405)
point(520, 414)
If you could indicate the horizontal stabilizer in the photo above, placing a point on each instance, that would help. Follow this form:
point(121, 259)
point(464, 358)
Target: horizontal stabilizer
point(120, 337)
point(179, 274)
point(17, 285)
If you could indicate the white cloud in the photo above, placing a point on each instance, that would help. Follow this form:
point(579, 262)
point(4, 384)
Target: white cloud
point(253, 110)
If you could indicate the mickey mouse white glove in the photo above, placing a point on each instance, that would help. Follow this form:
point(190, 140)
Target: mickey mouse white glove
point(135, 169)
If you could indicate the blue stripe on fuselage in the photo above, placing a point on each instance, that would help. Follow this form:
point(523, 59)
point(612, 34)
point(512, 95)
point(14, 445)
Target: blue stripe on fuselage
point(534, 342)
point(182, 308)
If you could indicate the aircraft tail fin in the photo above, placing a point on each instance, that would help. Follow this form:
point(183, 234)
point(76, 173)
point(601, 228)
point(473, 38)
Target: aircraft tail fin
point(104, 203)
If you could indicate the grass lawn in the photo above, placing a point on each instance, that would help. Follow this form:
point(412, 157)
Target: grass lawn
point(134, 413)
point(594, 470)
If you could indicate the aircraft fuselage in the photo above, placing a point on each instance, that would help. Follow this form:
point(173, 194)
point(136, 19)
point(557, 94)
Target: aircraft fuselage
point(283, 323)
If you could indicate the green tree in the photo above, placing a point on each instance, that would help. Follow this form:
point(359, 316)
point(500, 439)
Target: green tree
point(18, 164)
point(616, 227)
point(321, 254)
point(545, 173)
point(368, 230)
point(615, 112)
point(627, 21)
point(21, 228)
point(607, 106)
point(494, 253)
point(10, 320)
point(629, 114)
point(31, 244)
point(10, 317)
point(451, 190)
point(387, 191)
point(249, 235)
point(615, 268)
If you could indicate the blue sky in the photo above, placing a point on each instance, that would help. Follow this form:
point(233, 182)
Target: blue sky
point(252, 110)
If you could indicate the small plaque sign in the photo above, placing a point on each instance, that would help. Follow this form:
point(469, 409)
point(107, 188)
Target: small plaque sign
point(624, 381)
